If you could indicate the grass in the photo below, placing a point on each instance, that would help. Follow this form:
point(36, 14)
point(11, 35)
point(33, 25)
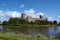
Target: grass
point(26, 25)
point(13, 36)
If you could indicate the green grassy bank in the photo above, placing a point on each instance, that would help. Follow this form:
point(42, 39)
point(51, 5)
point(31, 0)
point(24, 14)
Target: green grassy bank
point(12, 36)
point(26, 25)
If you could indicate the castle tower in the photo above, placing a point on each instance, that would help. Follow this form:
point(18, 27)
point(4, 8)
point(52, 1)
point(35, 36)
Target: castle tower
point(41, 17)
point(23, 15)
point(29, 18)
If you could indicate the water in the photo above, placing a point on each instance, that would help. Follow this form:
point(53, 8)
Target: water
point(47, 31)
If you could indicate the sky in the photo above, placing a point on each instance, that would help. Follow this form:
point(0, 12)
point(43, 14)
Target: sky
point(33, 8)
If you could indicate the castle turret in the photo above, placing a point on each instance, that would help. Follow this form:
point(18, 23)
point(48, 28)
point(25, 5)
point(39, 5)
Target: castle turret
point(41, 17)
point(23, 15)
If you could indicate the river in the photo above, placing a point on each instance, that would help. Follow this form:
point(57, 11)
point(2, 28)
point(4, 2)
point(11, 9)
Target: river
point(47, 31)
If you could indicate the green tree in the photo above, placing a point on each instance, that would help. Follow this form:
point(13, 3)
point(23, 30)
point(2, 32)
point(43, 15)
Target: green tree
point(5, 23)
point(55, 22)
point(37, 22)
point(23, 21)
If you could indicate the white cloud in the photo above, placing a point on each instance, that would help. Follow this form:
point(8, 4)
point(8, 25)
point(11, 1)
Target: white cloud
point(1, 13)
point(22, 6)
point(5, 15)
point(12, 14)
point(29, 12)
point(50, 18)
point(32, 13)
point(40, 13)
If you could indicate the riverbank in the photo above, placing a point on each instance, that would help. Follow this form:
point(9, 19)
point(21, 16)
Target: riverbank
point(28, 25)
point(12, 36)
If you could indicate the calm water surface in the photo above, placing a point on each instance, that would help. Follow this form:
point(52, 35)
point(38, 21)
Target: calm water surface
point(48, 31)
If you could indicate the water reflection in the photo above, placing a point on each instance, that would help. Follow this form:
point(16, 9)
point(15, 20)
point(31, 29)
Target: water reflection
point(48, 31)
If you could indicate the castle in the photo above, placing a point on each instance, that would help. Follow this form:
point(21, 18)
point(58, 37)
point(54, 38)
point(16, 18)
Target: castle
point(29, 18)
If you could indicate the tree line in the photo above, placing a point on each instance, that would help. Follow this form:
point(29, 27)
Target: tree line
point(19, 21)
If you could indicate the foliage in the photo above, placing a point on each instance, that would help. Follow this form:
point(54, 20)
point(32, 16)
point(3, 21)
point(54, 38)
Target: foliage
point(58, 36)
point(44, 22)
point(5, 23)
point(19, 21)
point(15, 21)
point(12, 36)
point(55, 22)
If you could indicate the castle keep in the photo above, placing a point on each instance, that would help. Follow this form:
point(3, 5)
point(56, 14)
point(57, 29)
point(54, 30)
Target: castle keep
point(29, 18)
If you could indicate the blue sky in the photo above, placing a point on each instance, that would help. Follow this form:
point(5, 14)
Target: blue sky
point(48, 8)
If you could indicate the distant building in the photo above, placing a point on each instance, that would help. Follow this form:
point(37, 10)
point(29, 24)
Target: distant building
point(29, 18)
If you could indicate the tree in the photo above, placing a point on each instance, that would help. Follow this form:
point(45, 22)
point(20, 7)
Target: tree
point(51, 23)
point(5, 23)
point(55, 22)
point(23, 21)
point(37, 22)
